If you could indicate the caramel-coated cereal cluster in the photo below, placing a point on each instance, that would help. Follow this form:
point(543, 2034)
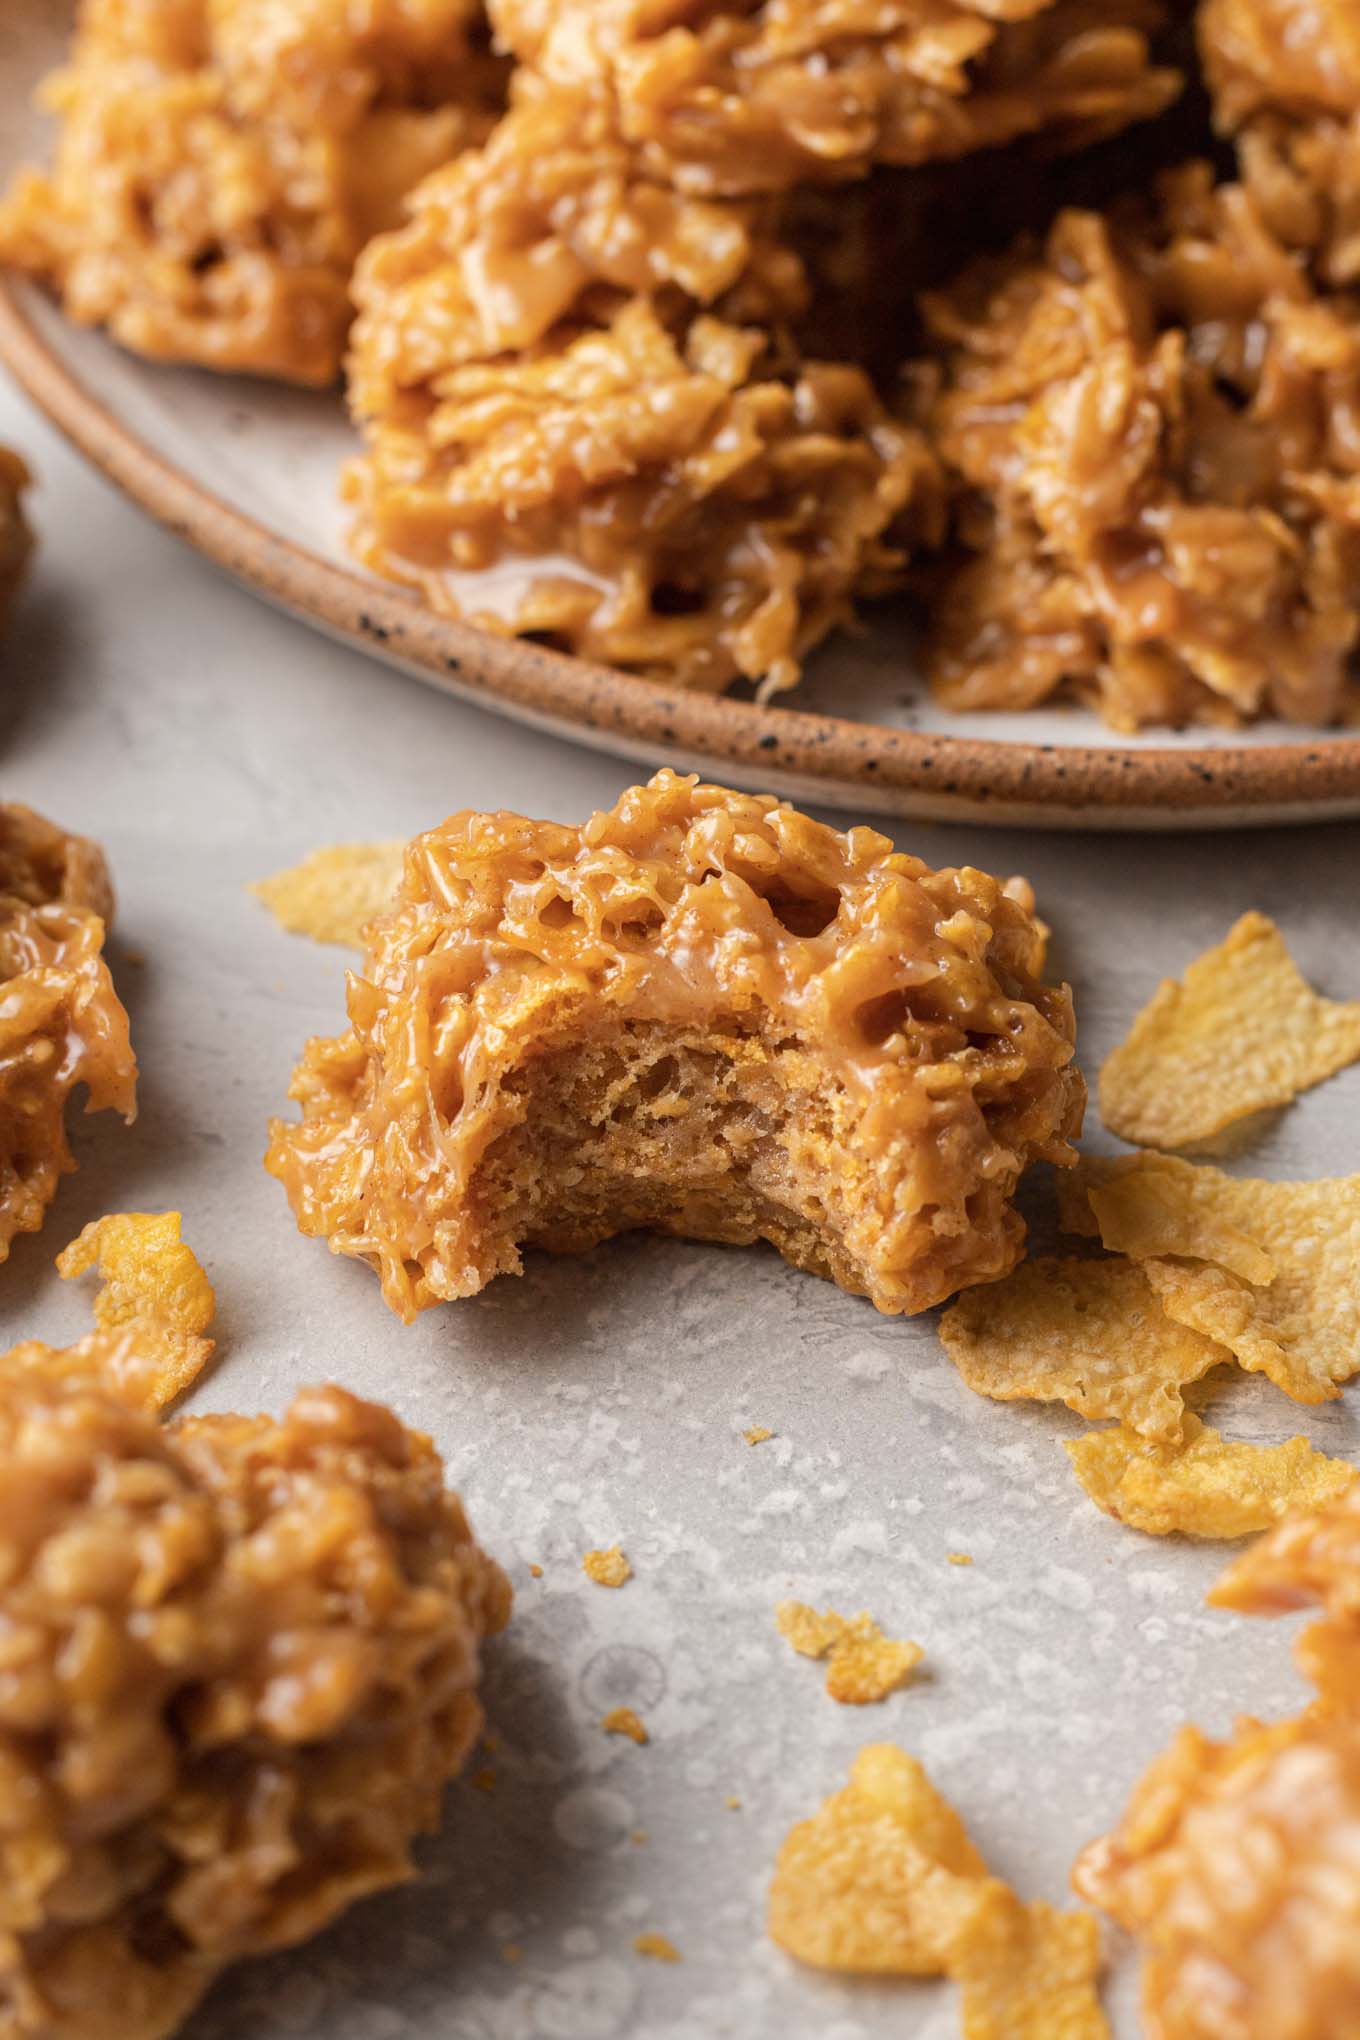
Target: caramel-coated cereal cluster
point(16, 540)
point(241, 1664)
point(700, 1012)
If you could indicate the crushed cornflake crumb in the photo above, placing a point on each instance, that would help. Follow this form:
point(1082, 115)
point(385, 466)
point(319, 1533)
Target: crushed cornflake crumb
point(1242, 1033)
point(757, 1435)
point(334, 894)
point(657, 1947)
point(863, 1665)
point(1202, 1485)
point(884, 1880)
point(607, 1568)
point(639, 1837)
point(535, 1572)
point(153, 1312)
point(959, 1558)
point(623, 1721)
point(485, 1778)
point(512, 1952)
point(732, 1803)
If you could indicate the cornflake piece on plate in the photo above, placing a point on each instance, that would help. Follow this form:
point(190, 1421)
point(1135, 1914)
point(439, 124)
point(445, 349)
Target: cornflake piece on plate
point(607, 1568)
point(286, 1620)
point(1202, 1485)
point(1143, 419)
point(156, 1304)
point(61, 1022)
point(1241, 1033)
point(883, 1880)
point(1088, 1333)
point(1236, 1863)
point(863, 1665)
point(334, 893)
point(220, 163)
point(587, 415)
point(16, 540)
point(732, 99)
point(702, 1013)
point(1271, 1270)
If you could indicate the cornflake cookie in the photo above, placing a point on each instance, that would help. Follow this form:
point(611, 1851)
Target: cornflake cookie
point(1285, 82)
point(1241, 1033)
point(220, 163)
point(334, 893)
point(883, 1880)
point(1200, 1484)
point(586, 415)
point(61, 1022)
point(700, 1012)
point(1236, 1863)
point(1143, 420)
point(727, 100)
point(16, 540)
point(1088, 1333)
point(288, 1617)
point(1270, 1270)
point(863, 1665)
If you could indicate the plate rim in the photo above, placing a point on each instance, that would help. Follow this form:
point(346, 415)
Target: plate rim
point(833, 758)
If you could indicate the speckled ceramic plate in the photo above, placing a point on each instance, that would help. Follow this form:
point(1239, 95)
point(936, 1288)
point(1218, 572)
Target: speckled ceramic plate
point(246, 473)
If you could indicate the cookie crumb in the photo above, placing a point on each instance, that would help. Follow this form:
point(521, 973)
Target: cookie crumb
point(535, 1572)
point(623, 1721)
point(959, 1558)
point(757, 1434)
point(733, 1802)
point(657, 1947)
point(607, 1568)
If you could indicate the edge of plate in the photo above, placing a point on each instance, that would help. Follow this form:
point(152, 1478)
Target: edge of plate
point(827, 759)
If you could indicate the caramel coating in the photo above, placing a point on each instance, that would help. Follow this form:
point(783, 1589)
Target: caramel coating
point(1237, 1864)
point(1153, 420)
point(220, 163)
point(1285, 81)
point(700, 1012)
point(584, 415)
point(241, 1662)
point(730, 100)
point(62, 1023)
point(16, 540)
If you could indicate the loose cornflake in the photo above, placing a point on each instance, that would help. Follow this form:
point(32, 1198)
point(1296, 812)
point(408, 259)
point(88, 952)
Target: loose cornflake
point(1203, 1485)
point(607, 1568)
point(1028, 1972)
point(657, 1947)
point(623, 1721)
point(1200, 1234)
point(156, 1305)
point(863, 1665)
point(334, 894)
point(1240, 1034)
point(757, 1435)
point(1087, 1333)
point(883, 1880)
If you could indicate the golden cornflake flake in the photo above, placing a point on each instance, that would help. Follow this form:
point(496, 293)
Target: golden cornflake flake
point(863, 1665)
point(623, 1721)
point(1241, 1033)
point(607, 1568)
point(757, 1435)
point(1087, 1333)
point(1200, 1234)
point(156, 1305)
point(334, 894)
point(657, 1947)
point(958, 1558)
point(883, 1880)
point(1203, 1485)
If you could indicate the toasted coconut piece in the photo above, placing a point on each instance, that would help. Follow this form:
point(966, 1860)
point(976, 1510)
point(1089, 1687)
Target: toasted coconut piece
point(220, 163)
point(1200, 1484)
point(62, 1024)
point(1242, 1033)
point(244, 1663)
point(700, 1012)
